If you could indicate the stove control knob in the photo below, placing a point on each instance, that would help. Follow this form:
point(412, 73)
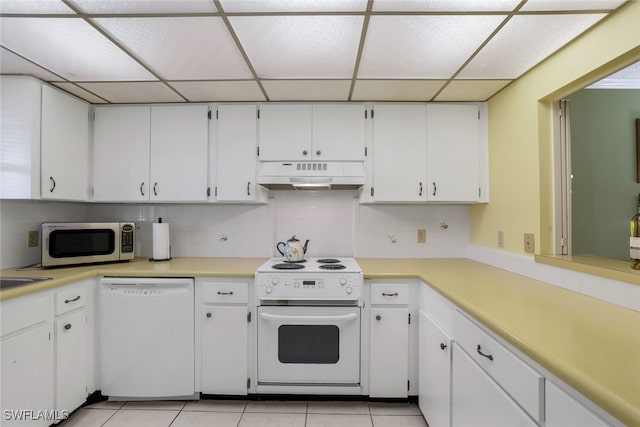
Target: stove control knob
point(348, 290)
point(269, 289)
point(274, 281)
point(343, 281)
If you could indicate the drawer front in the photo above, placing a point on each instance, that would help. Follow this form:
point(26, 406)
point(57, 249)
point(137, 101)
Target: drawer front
point(520, 381)
point(70, 299)
point(390, 293)
point(20, 313)
point(225, 292)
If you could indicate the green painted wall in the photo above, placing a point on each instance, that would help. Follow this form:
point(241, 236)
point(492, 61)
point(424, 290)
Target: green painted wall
point(603, 165)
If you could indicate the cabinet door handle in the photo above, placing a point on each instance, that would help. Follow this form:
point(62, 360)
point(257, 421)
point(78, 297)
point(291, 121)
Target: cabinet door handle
point(142, 189)
point(225, 293)
point(420, 194)
point(53, 184)
point(67, 326)
point(318, 152)
point(443, 346)
point(67, 301)
point(248, 188)
point(208, 315)
point(304, 152)
point(435, 189)
point(378, 317)
point(155, 188)
point(479, 350)
point(384, 294)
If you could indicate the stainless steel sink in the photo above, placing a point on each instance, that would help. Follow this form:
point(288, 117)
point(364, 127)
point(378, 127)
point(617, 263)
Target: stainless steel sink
point(14, 282)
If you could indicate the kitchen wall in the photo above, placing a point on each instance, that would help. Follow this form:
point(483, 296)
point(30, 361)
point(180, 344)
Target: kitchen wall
point(520, 132)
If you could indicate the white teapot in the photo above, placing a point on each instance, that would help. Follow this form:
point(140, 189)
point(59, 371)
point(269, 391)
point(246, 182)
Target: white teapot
point(293, 250)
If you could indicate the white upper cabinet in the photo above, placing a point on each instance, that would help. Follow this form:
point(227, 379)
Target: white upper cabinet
point(179, 144)
point(295, 132)
point(453, 150)
point(64, 146)
point(236, 158)
point(399, 153)
point(338, 132)
point(285, 132)
point(157, 153)
point(121, 153)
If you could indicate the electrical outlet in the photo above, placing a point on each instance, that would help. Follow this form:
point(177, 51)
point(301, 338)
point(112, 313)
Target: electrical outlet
point(32, 240)
point(529, 245)
point(501, 239)
point(422, 235)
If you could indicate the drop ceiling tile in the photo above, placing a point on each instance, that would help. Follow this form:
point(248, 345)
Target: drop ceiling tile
point(69, 47)
point(307, 90)
point(145, 6)
point(514, 50)
point(133, 92)
point(422, 47)
point(213, 91)
point(627, 78)
point(11, 63)
point(80, 92)
point(396, 90)
point(251, 6)
point(471, 90)
point(181, 48)
point(444, 5)
point(38, 7)
point(304, 47)
point(549, 5)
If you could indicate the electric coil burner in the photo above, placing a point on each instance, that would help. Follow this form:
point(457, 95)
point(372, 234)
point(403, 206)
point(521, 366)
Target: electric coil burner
point(332, 267)
point(287, 266)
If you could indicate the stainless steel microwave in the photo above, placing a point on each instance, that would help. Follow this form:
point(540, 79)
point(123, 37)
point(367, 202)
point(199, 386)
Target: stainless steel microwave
point(68, 243)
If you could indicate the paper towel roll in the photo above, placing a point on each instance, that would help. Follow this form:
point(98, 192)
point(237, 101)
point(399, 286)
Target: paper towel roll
point(161, 242)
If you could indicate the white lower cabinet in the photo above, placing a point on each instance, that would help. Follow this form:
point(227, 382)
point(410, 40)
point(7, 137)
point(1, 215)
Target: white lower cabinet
point(224, 319)
point(564, 411)
point(435, 350)
point(71, 360)
point(478, 401)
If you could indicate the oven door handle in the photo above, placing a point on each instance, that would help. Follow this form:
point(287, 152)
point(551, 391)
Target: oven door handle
point(341, 318)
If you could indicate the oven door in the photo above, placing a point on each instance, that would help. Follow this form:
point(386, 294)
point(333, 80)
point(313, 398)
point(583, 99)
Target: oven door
point(308, 345)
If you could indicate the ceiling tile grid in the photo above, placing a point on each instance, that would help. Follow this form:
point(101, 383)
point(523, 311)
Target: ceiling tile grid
point(145, 51)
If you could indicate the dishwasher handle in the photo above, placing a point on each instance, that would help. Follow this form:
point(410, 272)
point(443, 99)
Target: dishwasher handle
point(339, 318)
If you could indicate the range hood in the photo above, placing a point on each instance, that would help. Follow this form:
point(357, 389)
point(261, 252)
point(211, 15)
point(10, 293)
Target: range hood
point(301, 175)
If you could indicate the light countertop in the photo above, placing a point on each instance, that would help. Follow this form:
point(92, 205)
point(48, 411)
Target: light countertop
point(592, 345)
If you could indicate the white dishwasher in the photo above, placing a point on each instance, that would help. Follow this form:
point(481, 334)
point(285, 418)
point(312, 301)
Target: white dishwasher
point(146, 338)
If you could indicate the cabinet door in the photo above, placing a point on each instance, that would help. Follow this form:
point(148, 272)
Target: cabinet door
point(338, 132)
point(236, 152)
point(121, 153)
point(399, 153)
point(453, 150)
point(65, 146)
point(389, 352)
point(563, 411)
point(478, 401)
point(224, 349)
point(27, 374)
point(179, 153)
point(435, 373)
point(285, 132)
point(71, 360)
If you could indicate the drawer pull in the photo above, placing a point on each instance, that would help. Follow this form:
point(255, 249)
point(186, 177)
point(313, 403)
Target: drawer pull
point(443, 346)
point(208, 315)
point(67, 301)
point(395, 294)
point(479, 350)
point(378, 317)
point(225, 293)
point(67, 326)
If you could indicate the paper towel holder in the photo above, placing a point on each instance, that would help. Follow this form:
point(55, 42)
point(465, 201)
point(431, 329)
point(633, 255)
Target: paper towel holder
point(168, 244)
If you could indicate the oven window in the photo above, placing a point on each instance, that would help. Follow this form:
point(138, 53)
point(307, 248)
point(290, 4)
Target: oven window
point(77, 243)
point(311, 344)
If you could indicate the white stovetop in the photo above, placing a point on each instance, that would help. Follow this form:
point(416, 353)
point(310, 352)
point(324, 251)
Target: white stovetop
point(311, 265)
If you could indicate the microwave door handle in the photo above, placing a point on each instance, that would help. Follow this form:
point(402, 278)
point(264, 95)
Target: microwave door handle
point(340, 318)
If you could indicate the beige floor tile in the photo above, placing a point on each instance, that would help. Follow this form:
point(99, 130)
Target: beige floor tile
point(338, 407)
point(386, 408)
point(338, 420)
point(282, 407)
point(158, 405)
point(398, 421)
point(89, 417)
point(216, 405)
point(272, 420)
point(141, 418)
point(106, 404)
point(206, 419)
